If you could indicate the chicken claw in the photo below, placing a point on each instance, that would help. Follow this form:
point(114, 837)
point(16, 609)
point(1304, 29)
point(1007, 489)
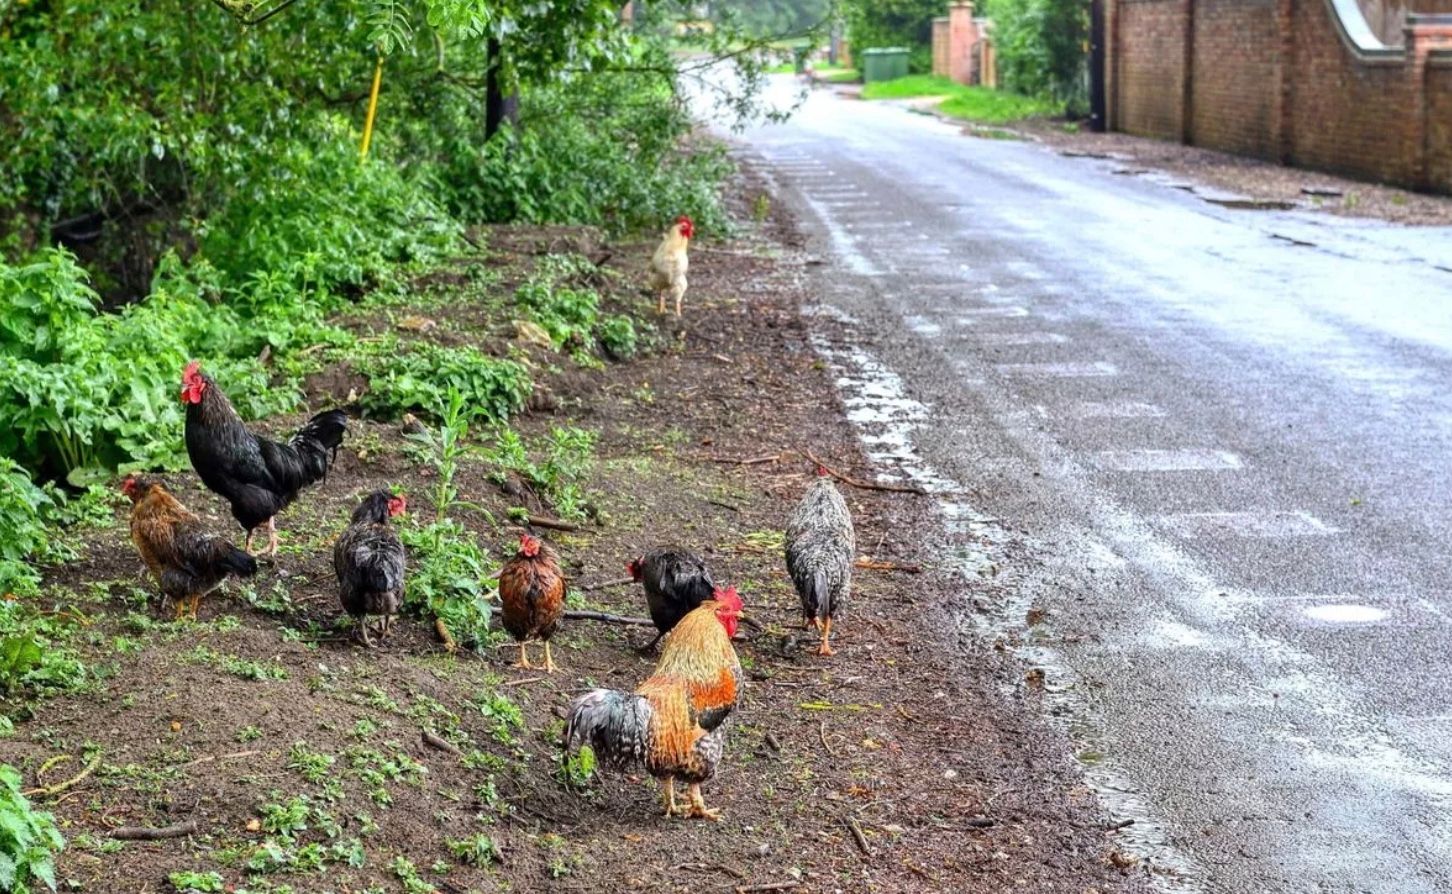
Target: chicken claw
point(523, 662)
point(698, 808)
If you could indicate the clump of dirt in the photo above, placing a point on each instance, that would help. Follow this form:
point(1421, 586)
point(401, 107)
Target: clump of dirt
point(307, 761)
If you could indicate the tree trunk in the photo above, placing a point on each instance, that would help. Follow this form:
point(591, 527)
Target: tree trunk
point(498, 107)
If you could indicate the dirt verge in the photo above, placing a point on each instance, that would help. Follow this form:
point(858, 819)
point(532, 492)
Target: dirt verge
point(911, 761)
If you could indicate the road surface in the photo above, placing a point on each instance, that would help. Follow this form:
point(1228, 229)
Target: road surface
point(1226, 434)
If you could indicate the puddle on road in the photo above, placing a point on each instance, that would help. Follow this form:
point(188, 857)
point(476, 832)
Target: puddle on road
point(1345, 614)
point(887, 420)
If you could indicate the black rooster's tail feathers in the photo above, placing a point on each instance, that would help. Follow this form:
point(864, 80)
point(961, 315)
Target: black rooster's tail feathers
point(235, 561)
point(317, 443)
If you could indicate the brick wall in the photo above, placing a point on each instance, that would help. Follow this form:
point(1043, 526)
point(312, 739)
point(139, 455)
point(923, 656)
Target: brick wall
point(1233, 80)
point(1277, 79)
point(1439, 119)
point(1150, 67)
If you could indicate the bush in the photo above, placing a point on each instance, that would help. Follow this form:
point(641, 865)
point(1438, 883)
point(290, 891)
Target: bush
point(84, 391)
point(29, 839)
point(22, 529)
point(603, 150)
point(422, 376)
point(1041, 50)
point(617, 335)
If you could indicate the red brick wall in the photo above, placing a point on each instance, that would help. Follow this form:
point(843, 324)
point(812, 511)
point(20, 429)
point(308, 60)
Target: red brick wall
point(1233, 77)
point(1439, 123)
point(1347, 115)
point(1275, 79)
point(1150, 67)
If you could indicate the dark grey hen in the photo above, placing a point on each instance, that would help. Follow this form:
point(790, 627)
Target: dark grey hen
point(369, 560)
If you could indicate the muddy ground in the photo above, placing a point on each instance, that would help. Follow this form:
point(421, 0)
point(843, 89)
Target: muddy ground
point(913, 760)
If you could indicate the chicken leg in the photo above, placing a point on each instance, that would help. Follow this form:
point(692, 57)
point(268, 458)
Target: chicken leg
point(549, 659)
point(826, 647)
point(181, 608)
point(523, 661)
point(668, 795)
point(698, 808)
point(272, 536)
point(361, 627)
point(196, 600)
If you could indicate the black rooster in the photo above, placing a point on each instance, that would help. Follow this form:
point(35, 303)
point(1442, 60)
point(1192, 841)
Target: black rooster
point(259, 477)
point(676, 580)
point(369, 560)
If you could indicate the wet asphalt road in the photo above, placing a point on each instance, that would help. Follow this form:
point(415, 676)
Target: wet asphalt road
point(1226, 433)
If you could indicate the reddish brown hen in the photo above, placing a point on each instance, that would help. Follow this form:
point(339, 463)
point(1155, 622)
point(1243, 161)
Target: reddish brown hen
point(187, 561)
point(532, 597)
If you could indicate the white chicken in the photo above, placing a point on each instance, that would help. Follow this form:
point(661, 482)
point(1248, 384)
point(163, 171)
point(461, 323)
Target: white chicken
point(668, 265)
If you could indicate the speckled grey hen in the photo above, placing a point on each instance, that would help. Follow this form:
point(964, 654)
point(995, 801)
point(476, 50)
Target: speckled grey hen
point(821, 546)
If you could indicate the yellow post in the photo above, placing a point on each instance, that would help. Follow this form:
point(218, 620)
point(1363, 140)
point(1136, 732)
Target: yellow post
point(372, 108)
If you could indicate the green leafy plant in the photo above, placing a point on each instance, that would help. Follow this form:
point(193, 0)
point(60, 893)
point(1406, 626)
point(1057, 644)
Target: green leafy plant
point(29, 840)
point(476, 850)
point(423, 376)
point(617, 336)
point(556, 467)
point(187, 882)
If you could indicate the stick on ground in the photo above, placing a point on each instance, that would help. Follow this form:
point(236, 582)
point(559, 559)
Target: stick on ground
point(605, 584)
point(575, 614)
point(147, 833)
point(858, 482)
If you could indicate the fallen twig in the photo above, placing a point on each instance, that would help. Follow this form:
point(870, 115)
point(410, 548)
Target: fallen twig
point(858, 837)
point(828, 706)
point(220, 757)
point(724, 505)
point(876, 565)
point(521, 682)
point(773, 742)
point(48, 790)
point(738, 461)
point(434, 740)
point(858, 482)
point(980, 822)
point(617, 582)
point(822, 734)
point(576, 614)
point(774, 886)
point(710, 867)
point(554, 524)
point(147, 833)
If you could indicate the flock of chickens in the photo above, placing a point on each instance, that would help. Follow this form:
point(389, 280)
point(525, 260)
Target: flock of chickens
point(673, 723)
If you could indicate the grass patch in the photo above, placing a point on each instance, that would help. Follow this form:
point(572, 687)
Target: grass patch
point(837, 75)
point(968, 103)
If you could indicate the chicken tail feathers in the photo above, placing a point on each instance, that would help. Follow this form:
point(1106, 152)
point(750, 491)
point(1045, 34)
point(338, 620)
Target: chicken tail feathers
point(819, 595)
point(317, 443)
point(238, 562)
point(616, 726)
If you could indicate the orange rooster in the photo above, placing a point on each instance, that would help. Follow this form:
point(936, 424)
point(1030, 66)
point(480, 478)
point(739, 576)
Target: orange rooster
point(187, 561)
point(669, 264)
point(532, 596)
point(674, 722)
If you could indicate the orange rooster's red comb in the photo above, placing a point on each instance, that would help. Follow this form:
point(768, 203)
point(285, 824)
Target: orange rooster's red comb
point(728, 599)
point(529, 545)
